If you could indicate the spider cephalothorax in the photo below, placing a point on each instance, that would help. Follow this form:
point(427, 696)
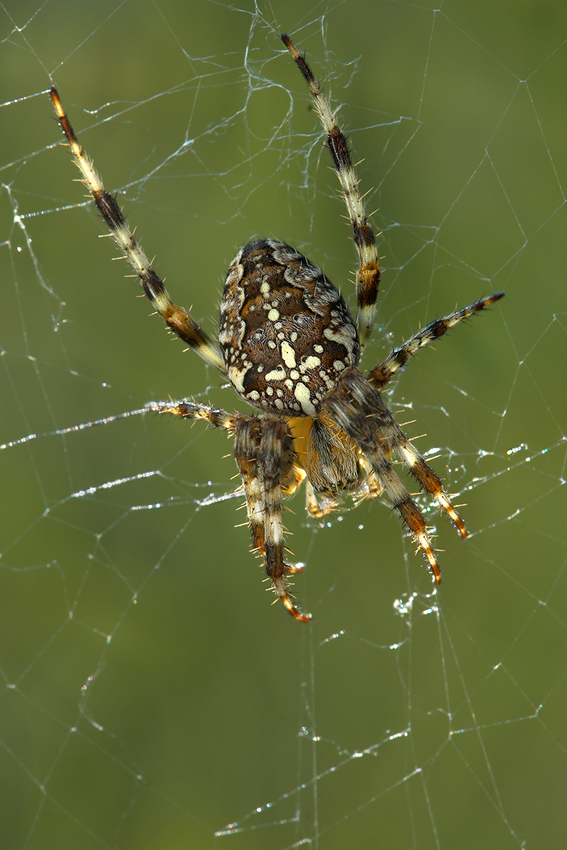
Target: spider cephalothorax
point(290, 348)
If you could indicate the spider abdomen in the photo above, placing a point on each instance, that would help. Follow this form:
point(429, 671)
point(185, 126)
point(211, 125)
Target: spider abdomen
point(285, 332)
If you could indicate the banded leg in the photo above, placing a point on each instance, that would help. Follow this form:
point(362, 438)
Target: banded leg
point(264, 455)
point(368, 273)
point(390, 435)
point(246, 451)
point(175, 317)
point(383, 372)
point(360, 411)
point(192, 410)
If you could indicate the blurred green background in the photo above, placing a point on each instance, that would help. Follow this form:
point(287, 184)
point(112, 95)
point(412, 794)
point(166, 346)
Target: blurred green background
point(152, 696)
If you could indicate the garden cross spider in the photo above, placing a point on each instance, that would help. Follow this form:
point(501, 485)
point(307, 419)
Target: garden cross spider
point(290, 347)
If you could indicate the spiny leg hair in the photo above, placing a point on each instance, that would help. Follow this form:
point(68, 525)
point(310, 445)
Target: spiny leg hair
point(264, 446)
point(264, 455)
point(178, 319)
point(383, 372)
point(261, 479)
point(359, 409)
point(186, 409)
point(368, 273)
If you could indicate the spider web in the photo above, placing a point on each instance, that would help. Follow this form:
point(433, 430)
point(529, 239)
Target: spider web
point(151, 695)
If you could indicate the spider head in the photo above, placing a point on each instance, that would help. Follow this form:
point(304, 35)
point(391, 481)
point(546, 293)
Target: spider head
point(285, 332)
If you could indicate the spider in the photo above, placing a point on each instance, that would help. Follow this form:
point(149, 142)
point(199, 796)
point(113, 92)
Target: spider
point(290, 347)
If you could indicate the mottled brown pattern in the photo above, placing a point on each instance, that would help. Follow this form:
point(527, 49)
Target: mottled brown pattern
point(285, 331)
point(291, 348)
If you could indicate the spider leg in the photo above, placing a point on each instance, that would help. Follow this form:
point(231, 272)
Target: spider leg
point(368, 273)
point(383, 372)
point(390, 434)
point(192, 410)
point(265, 458)
point(358, 408)
point(264, 455)
point(246, 451)
point(178, 319)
